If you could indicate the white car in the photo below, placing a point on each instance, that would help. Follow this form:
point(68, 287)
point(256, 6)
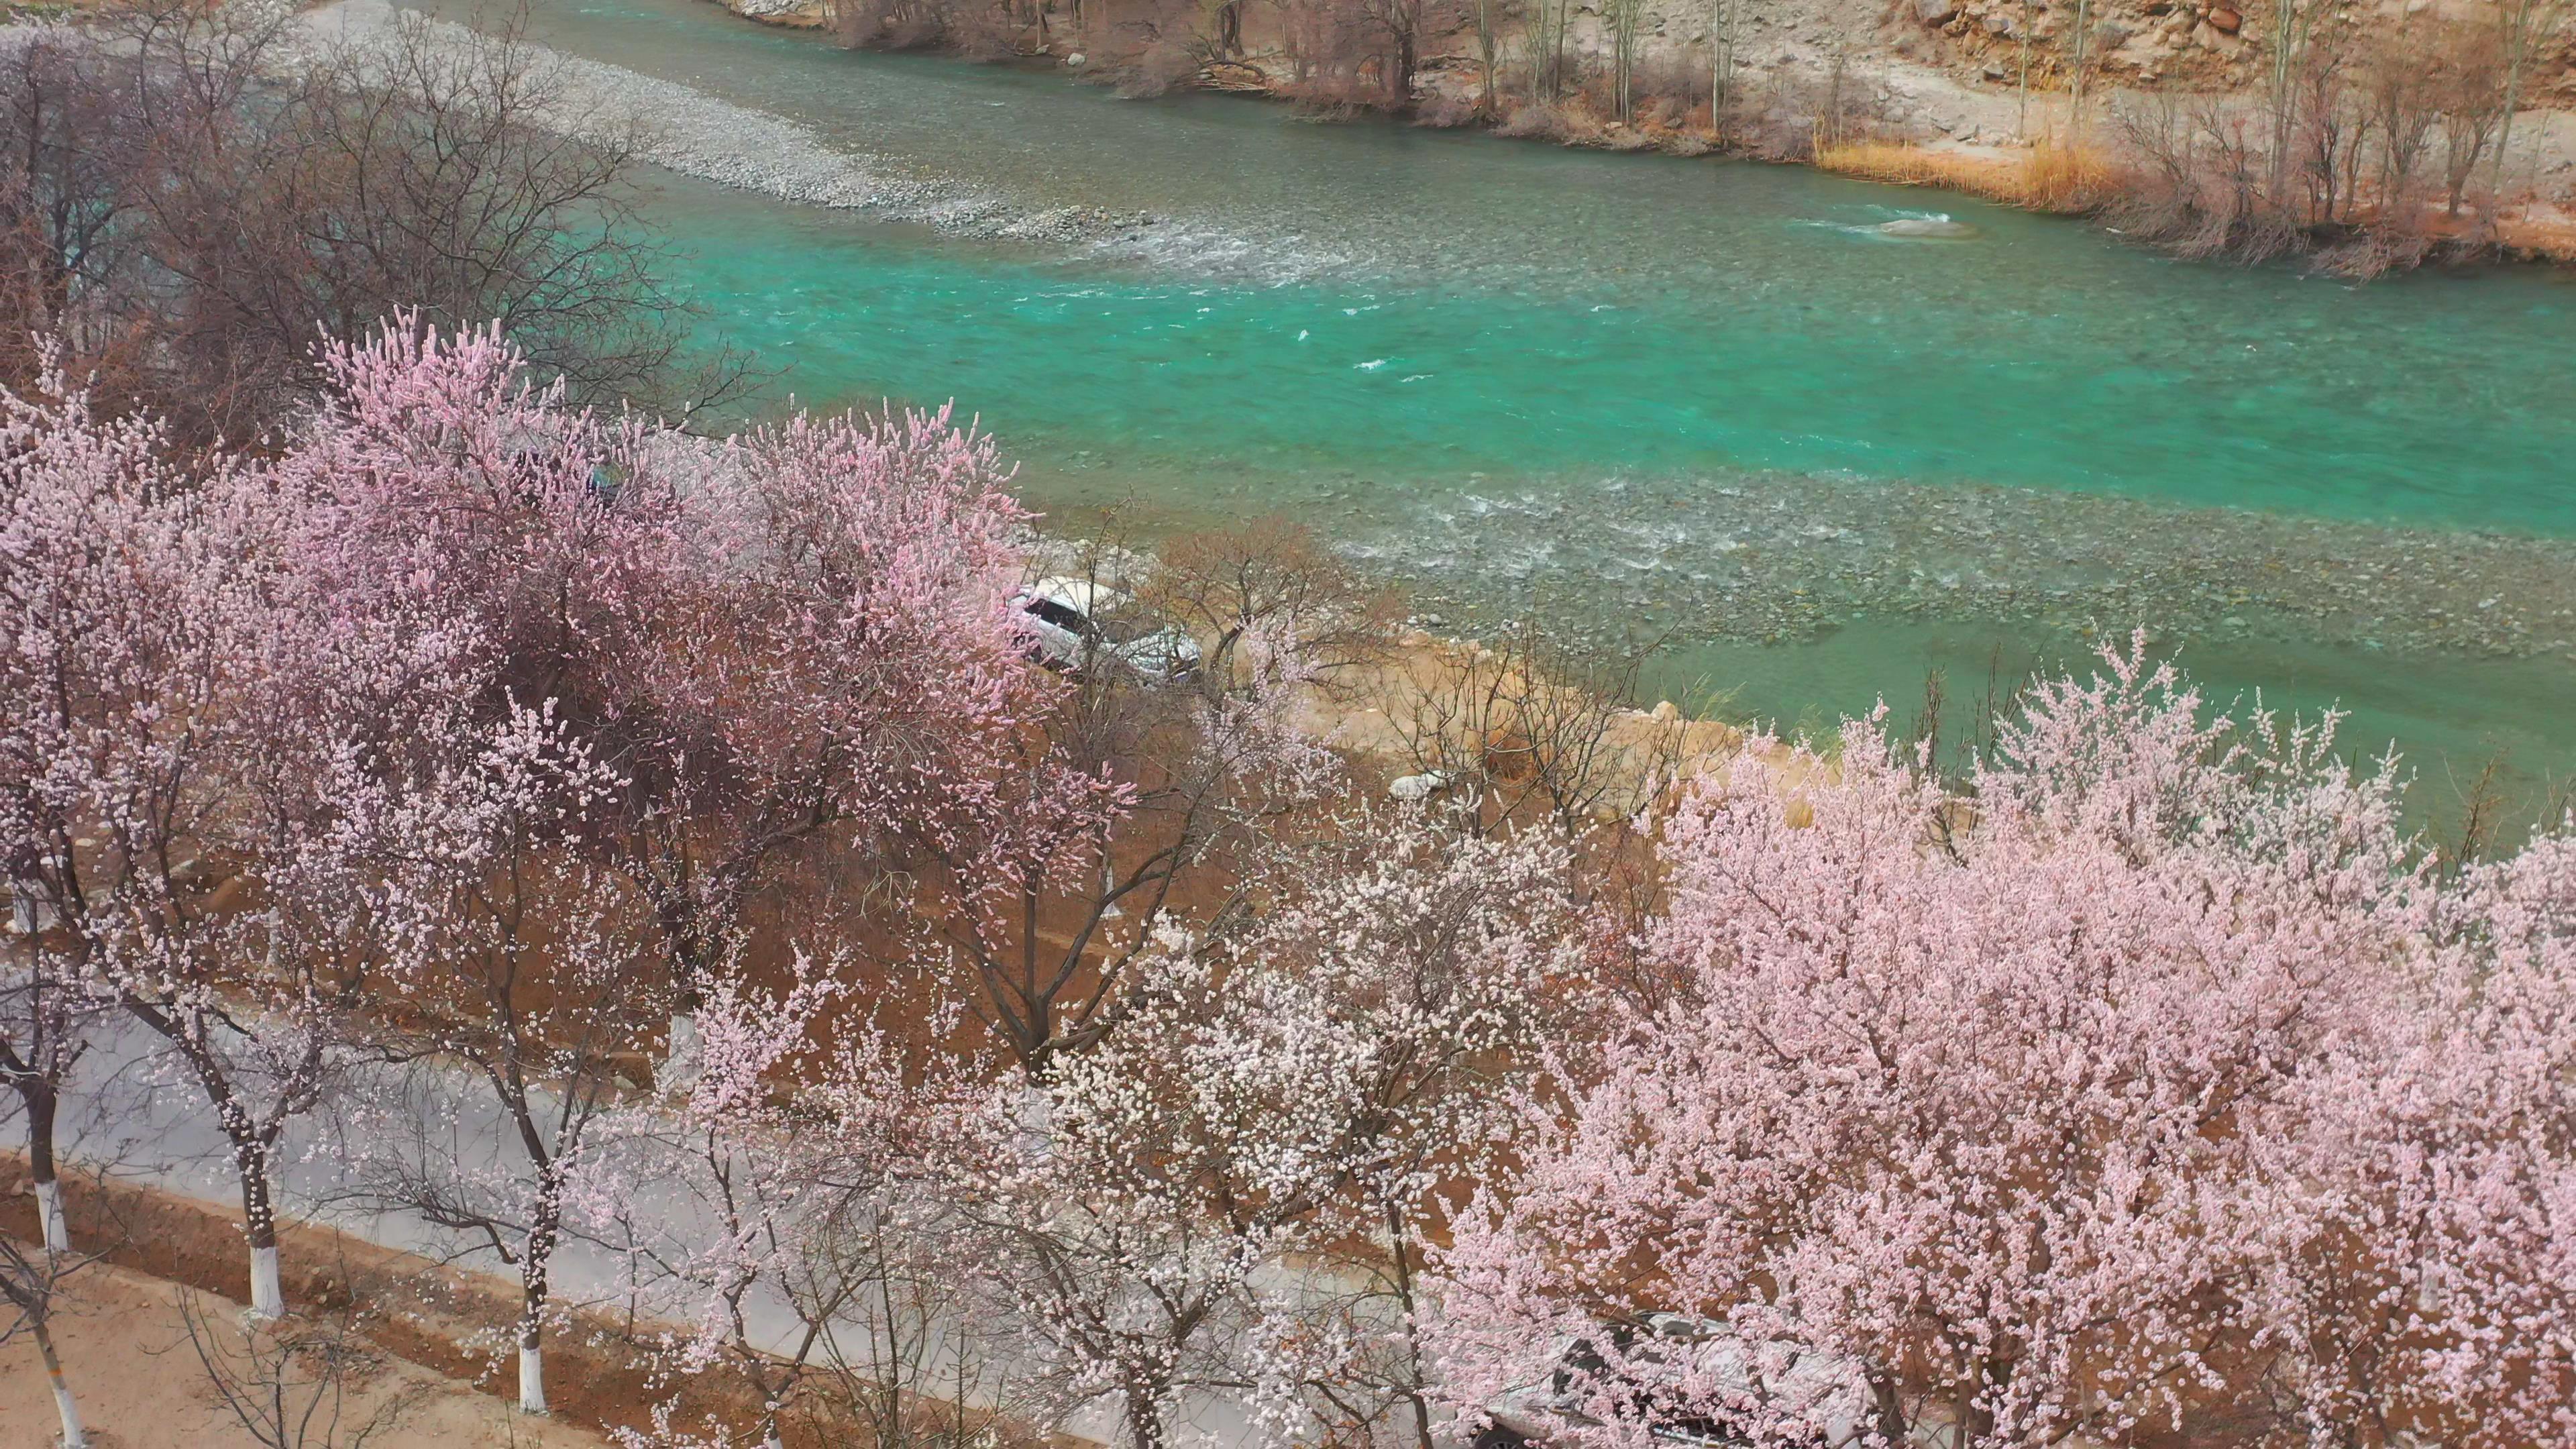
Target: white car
point(1073, 623)
point(1696, 1364)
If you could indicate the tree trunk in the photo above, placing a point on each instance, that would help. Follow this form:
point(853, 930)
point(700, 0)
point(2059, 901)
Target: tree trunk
point(1979, 1392)
point(251, 1149)
point(1887, 1407)
point(1721, 79)
point(73, 1437)
point(259, 1224)
point(40, 1100)
point(681, 1058)
point(1144, 1419)
point(532, 1371)
point(536, 1261)
point(2517, 47)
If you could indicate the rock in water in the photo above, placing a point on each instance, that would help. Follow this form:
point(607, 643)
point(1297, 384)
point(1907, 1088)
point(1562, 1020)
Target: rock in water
point(1930, 226)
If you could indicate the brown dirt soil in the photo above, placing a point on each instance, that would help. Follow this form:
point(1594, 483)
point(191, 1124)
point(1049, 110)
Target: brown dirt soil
point(140, 1384)
point(441, 1323)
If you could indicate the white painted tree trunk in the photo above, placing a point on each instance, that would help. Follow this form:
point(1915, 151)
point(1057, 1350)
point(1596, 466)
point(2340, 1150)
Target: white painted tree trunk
point(73, 1436)
point(681, 1057)
point(49, 1211)
point(1037, 1123)
point(532, 1379)
point(267, 1294)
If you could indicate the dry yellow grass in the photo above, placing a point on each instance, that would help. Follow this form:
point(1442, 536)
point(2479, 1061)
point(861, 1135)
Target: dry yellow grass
point(2051, 176)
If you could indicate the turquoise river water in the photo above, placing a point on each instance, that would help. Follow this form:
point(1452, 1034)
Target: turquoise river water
point(1688, 397)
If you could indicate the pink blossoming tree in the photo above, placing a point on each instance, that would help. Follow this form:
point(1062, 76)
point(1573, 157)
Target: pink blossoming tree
point(1297, 1082)
point(179, 719)
point(2066, 1105)
point(782, 642)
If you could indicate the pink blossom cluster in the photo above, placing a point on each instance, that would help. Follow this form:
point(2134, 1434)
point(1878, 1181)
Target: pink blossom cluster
point(457, 729)
point(2151, 1080)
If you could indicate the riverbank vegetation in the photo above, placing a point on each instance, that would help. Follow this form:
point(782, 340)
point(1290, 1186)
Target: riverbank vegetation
point(2365, 147)
point(656, 868)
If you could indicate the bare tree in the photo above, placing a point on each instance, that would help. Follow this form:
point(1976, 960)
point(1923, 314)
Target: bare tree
point(1394, 31)
point(1725, 32)
point(289, 1384)
point(1548, 70)
point(65, 209)
point(1622, 15)
point(203, 190)
point(1272, 581)
point(48, 1007)
point(1125, 807)
point(2475, 97)
point(1490, 17)
point(2526, 30)
point(2404, 98)
point(1528, 725)
point(2292, 24)
point(30, 1284)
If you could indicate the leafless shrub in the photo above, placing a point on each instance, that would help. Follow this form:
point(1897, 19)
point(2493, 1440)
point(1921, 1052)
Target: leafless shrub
point(2199, 186)
point(1274, 578)
point(208, 189)
point(1529, 725)
point(1447, 111)
point(1772, 121)
point(1669, 87)
point(902, 1343)
point(892, 24)
point(2337, 165)
point(1532, 120)
point(984, 31)
point(297, 1383)
point(1340, 94)
point(1543, 121)
point(1163, 66)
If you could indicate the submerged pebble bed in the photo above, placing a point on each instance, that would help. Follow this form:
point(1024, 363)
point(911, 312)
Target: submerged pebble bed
point(1774, 560)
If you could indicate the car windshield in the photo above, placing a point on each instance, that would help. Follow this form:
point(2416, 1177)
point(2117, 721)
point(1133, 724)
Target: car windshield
point(1055, 613)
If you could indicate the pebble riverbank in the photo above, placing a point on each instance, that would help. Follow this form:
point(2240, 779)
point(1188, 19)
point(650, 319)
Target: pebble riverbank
point(685, 130)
